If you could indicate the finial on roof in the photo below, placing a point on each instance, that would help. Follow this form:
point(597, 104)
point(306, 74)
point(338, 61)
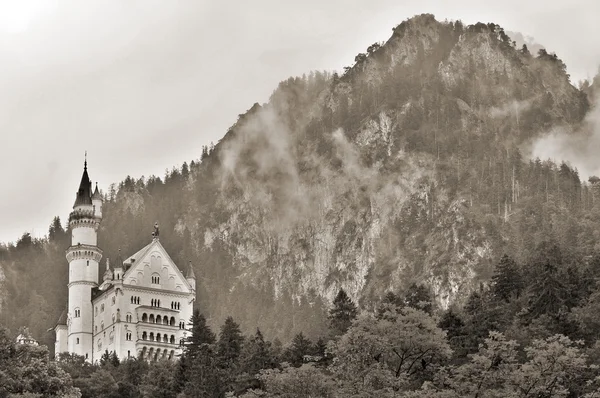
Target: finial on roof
point(85, 161)
point(156, 232)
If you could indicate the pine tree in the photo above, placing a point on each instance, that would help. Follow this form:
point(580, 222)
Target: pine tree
point(300, 347)
point(230, 343)
point(342, 314)
point(256, 354)
point(418, 296)
point(507, 280)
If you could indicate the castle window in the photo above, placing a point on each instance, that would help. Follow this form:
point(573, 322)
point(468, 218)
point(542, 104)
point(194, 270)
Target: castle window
point(102, 326)
point(128, 336)
point(151, 319)
point(144, 317)
point(128, 353)
point(77, 341)
point(88, 263)
point(102, 307)
point(165, 320)
point(96, 329)
point(128, 317)
point(151, 337)
point(113, 318)
point(77, 312)
point(172, 339)
point(158, 337)
point(165, 339)
point(158, 319)
point(172, 321)
point(155, 279)
point(144, 336)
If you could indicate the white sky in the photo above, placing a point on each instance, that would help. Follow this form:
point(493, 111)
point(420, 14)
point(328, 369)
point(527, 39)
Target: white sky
point(143, 84)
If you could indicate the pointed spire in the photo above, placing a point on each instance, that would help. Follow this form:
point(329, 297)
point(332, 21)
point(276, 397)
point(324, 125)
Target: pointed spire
point(108, 272)
point(84, 193)
point(96, 194)
point(119, 260)
point(190, 272)
point(85, 161)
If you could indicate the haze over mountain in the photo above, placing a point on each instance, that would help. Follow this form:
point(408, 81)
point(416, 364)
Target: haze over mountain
point(135, 72)
point(410, 167)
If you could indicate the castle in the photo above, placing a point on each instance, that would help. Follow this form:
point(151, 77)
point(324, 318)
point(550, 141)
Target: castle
point(139, 309)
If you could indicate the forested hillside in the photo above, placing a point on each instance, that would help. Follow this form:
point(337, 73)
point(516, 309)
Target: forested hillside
point(410, 167)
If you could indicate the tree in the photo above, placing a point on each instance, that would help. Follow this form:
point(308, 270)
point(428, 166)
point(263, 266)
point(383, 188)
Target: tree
point(256, 354)
point(507, 280)
point(418, 296)
point(404, 346)
point(303, 382)
point(56, 231)
point(159, 382)
point(230, 342)
point(299, 347)
point(342, 314)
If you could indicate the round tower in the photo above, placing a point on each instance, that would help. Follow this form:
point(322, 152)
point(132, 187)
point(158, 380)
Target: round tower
point(83, 256)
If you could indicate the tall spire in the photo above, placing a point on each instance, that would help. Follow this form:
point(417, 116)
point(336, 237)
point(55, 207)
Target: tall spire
point(84, 193)
point(190, 272)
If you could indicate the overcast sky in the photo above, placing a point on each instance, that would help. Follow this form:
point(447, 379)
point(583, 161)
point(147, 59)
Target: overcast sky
point(143, 84)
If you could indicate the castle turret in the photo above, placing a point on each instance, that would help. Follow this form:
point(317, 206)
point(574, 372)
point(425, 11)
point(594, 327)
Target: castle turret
point(119, 268)
point(97, 202)
point(83, 256)
point(191, 277)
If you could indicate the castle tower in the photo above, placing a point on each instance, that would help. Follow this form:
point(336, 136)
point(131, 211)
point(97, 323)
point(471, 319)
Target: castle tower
point(83, 256)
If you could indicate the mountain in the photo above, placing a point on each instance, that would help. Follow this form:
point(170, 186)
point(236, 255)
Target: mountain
point(410, 167)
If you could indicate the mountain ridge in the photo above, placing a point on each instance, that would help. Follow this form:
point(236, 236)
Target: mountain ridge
point(407, 168)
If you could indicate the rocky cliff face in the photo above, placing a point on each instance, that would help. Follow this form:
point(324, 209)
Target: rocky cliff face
point(409, 167)
point(358, 183)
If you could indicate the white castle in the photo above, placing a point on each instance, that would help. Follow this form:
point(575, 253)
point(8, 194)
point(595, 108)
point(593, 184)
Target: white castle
point(141, 307)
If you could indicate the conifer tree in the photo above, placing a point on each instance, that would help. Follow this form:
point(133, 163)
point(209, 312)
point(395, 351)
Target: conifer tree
point(342, 314)
point(506, 281)
point(256, 354)
point(300, 347)
point(230, 343)
point(418, 296)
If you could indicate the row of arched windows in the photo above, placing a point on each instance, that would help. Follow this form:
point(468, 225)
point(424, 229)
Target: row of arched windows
point(175, 305)
point(159, 338)
point(181, 325)
point(128, 318)
point(164, 320)
point(156, 279)
point(135, 300)
point(156, 354)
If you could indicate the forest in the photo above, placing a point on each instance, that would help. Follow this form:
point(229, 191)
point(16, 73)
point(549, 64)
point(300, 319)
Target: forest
point(380, 232)
point(532, 332)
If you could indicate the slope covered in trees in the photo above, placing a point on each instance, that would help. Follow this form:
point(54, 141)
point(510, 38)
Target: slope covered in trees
point(410, 167)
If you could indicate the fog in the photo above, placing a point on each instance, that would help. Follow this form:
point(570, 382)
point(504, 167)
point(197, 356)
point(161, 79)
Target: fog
point(142, 85)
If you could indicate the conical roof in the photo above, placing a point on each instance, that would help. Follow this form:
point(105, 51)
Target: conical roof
point(96, 194)
point(84, 193)
point(190, 272)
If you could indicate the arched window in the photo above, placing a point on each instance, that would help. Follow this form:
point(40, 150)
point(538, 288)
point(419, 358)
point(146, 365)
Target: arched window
point(102, 307)
point(165, 320)
point(171, 354)
point(158, 305)
point(155, 279)
point(158, 337)
point(172, 339)
point(178, 305)
point(77, 341)
point(144, 317)
point(165, 339)
point(151, 336)
point(151, 319)
point(77, 312)
point(172, 321)
point(158, 319)
point(144, 336)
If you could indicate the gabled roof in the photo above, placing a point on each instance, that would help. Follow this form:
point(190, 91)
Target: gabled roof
point(138, 258)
